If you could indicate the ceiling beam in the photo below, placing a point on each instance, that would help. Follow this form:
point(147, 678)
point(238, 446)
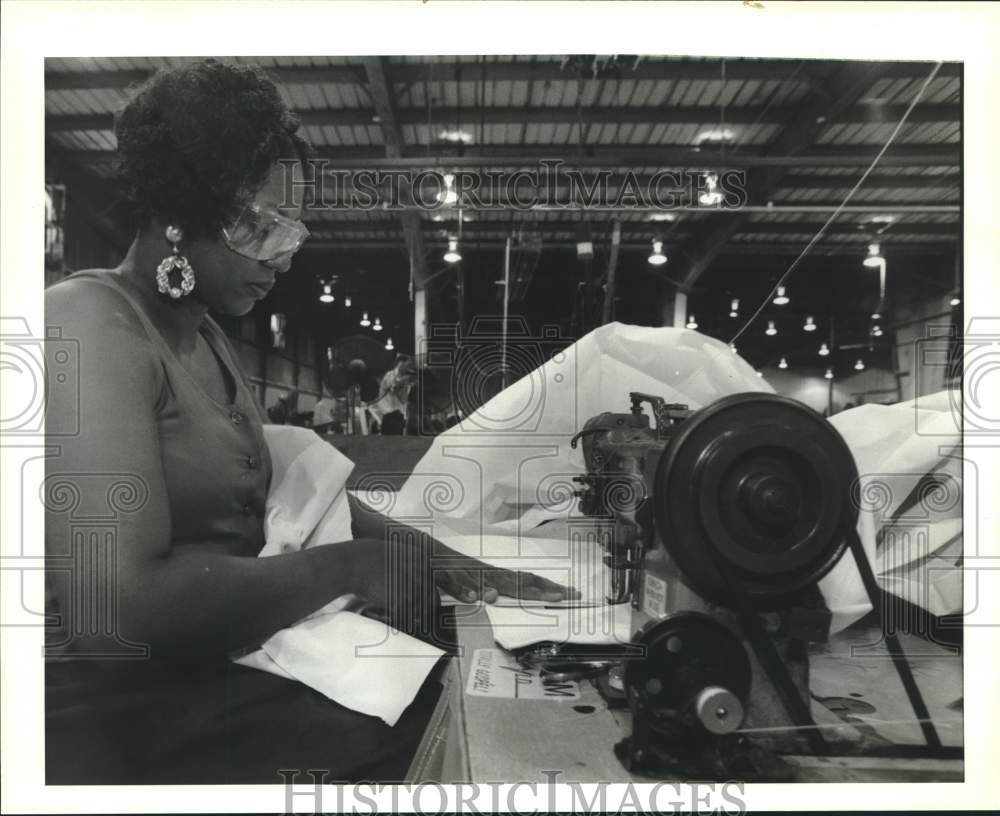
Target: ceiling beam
point(547, 71)
point(947, 232)
point(378, 87)
point(876, 181)
point(843, 89)
point(609, 156)
point(697, 115)
point(921, 249)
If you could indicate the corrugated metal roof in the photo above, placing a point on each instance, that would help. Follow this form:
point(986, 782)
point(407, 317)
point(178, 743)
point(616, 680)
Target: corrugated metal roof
point(541, 101)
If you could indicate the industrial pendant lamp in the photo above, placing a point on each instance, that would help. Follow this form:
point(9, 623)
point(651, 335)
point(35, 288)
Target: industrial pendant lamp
point(710, 196)
point(377, 325)
point(771, 330)
point(692, 323)
point(810, 325)
point(448, 196)
point(452, 255)
point(824, 350)
point(783, 363)
point(388, 344)
point(327, 296)
point(657, 258)
point(780, 298)
point(734, 308)
point(364, 320)
point(829, 374)
point(874, 258)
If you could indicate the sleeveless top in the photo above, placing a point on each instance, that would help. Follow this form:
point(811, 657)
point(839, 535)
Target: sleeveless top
point(215, 461)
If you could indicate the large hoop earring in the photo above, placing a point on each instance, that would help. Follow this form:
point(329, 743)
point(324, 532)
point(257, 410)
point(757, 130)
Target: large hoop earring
point(175, 262)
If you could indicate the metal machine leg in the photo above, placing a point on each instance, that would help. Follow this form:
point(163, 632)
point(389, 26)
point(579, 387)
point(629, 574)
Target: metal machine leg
point(892, 642)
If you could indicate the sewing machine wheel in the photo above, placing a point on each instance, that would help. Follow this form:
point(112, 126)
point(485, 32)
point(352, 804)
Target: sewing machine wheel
point(693, 668)
point(749, 499)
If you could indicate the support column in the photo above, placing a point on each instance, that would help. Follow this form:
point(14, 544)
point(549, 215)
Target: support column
point(419, 322)
point(675, 310)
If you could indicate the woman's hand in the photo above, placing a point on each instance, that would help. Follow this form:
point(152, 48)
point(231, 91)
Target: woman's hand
point(468, 579)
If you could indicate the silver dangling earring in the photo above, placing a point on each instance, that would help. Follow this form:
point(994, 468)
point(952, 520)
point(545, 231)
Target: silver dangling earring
point(175, 263)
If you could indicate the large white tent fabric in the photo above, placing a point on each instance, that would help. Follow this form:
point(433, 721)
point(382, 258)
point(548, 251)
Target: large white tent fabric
point(486, 485)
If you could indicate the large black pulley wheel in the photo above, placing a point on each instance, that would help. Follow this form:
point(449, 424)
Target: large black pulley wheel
point(692, 665)
point(750, 499)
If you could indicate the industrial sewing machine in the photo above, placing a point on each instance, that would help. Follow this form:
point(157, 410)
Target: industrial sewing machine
point(722, 521)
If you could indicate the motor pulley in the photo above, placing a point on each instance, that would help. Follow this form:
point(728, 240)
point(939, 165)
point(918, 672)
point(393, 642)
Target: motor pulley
point(749, 499)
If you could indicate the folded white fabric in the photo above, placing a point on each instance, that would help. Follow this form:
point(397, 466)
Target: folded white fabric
point(358, 662)
point(514, 627)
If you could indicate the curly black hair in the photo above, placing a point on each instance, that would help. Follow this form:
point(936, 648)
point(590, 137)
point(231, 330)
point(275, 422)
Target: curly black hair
point(196, 139)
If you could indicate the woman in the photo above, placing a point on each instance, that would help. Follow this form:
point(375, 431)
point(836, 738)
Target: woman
point(206, 155)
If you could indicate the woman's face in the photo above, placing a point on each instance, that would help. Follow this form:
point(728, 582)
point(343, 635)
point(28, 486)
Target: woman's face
point(230, 283)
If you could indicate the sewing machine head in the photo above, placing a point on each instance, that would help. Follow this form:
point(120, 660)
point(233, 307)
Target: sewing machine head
point(723, 520)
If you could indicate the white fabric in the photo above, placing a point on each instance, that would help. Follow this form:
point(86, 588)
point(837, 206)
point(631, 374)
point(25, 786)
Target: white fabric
point(507, 468)
point(515, 627)
point(893, 447)
point(358, 662)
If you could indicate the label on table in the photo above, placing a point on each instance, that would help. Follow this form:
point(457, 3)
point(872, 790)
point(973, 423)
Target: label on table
point(495, 673)
point(654, 596)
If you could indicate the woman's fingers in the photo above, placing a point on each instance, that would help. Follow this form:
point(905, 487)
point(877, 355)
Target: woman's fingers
point(456, 583)
point(549, 588)
point(528, 586)
point(468, 584)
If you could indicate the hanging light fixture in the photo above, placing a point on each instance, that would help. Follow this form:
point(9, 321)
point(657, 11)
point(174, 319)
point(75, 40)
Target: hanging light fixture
point(874, 258)
point(452, 255)
point(780, 298)
point(809, 325)
point(584, 243)
point(771, 330)
point(824, 350)
point(877, 314)
point(278, 323)
point(657, 258)
point(378, 325)
point(692, 323)
point(876, 330)
point(734, 308)
point(364, 320)
point(448, 196)
point(956, 298)
point(710, 196)
point(347, 301)
point(829, 374)
point(760, 373)
point(859, 365)
point(388, 344)
point(732, 347)
point(783, 363)
point(327, 296)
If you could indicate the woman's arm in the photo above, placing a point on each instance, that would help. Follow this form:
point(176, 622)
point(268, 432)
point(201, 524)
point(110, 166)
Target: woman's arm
point(462, 577)
point(186, 602)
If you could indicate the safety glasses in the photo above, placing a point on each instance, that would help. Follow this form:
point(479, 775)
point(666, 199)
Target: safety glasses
point(263, 234)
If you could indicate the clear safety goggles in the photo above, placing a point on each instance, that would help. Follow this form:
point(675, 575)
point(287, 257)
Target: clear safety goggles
point(263, 234)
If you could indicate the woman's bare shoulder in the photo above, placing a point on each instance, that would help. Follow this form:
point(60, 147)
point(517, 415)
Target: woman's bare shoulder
point(90, 302)
point(101, 319)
